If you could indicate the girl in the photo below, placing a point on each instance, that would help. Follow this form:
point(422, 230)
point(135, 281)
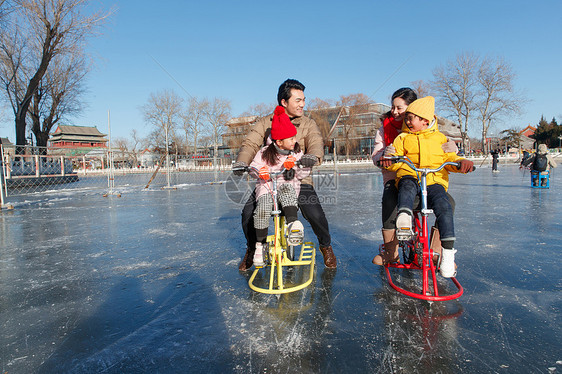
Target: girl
point(283, 147)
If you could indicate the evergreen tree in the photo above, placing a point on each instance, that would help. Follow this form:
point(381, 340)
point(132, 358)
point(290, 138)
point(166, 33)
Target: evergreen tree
point(541, 134)
point(548, 133)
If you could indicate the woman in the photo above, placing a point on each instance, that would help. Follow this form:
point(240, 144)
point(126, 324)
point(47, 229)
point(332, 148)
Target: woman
point(391, 127)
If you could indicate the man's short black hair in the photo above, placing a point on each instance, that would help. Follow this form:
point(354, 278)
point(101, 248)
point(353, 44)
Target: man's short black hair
point(286, 87)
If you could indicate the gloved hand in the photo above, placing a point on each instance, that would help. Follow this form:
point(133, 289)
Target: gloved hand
point(264, 173)
point(289, 162)
point(308, 160)
point(384, 163)
point(450, 147)
point(389, 151)
point(466, 166)
point(289, 174)
point(239, 167)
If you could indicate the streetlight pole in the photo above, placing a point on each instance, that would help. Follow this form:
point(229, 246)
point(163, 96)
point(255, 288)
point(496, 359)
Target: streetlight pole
point(167, 156)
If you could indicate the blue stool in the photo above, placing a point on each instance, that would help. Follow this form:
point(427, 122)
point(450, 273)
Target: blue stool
point(540, 179)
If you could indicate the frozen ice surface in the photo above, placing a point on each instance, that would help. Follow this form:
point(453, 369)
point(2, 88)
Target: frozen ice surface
point(149, 283)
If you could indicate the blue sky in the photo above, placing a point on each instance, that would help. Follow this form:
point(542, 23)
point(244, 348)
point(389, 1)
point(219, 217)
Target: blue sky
point(243, 50)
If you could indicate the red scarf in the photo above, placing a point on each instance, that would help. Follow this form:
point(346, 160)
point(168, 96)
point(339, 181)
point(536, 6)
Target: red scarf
point(391, 129)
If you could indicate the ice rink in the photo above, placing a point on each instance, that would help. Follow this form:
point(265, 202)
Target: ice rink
point(149, 283)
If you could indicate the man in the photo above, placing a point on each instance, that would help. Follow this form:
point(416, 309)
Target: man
point(291, 97)
point(541, 162)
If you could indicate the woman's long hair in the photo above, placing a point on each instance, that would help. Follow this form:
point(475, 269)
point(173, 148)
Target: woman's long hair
point(404, 93)
point(270, 154)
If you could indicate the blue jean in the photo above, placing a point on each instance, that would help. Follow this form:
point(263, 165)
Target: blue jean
point(437, 200)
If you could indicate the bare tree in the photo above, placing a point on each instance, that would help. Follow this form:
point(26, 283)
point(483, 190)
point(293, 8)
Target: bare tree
point(37, 31)
point(58, 95)
point(136, 141)
point(217, 114)
point(128, 147)
point(260, 110)
point(193, 121)
point(162, 111)
point(496, 96)
point(354, 106)
point(3, 10)
point(512, 137)
point(206, 141)
point(421, 87)
point(455, 85)
point(324, 113)
point(123, 146)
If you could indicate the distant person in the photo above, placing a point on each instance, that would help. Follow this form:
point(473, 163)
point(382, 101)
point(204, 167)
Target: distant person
point(525, 156)
point(422, 143)
point(495, 156)
point(393, 122)
point(291, 97)
point(541, 162)
point(281, 152)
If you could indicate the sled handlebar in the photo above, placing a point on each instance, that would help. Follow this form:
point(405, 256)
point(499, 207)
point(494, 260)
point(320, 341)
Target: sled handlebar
point(256, 173)
point(407, 161)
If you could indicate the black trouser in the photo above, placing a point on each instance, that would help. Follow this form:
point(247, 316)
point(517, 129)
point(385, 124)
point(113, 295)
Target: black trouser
point(311, 210)
point(390, 201)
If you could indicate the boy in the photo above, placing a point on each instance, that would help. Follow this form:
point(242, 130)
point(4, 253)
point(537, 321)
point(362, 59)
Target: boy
point(421, 141)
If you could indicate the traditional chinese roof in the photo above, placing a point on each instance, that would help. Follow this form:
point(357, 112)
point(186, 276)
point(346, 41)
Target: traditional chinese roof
point(77, 134)
point(529, 130)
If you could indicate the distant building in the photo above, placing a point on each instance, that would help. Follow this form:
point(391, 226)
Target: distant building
point(334, 122)
point(236, 130)
point(8, 146)
point(149, 158)
point(82, 138)
point(366, 124)
point(528, 131)
point(6, 141)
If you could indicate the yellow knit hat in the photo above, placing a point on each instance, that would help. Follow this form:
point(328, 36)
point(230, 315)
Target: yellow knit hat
point(424, 108)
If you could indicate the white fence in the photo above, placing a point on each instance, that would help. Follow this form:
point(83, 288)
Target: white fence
point(45, 169)
point(38, 170)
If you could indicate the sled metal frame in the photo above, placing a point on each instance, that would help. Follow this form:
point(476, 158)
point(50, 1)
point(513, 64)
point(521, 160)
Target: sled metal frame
point(538, 176)
point(278, 255)
point(278, 260)
point(420, 254)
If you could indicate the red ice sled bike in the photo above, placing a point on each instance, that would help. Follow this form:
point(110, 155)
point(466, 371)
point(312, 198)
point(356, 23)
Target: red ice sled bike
point(417, 253)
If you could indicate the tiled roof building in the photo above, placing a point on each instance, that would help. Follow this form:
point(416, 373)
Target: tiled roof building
point(77, 137)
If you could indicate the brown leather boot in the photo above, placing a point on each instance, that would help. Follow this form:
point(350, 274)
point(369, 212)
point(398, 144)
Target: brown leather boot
point(248, 260)
point(329, 256)
point(435, 244)
point(390, 251)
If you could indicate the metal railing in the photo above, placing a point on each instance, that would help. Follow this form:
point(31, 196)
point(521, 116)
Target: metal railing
point(38, 170)
point(45, 169)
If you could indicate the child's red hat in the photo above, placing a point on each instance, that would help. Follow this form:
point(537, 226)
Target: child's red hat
point(281, 125)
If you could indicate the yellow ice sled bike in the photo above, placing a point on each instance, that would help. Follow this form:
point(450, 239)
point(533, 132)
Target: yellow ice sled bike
point(279, 256)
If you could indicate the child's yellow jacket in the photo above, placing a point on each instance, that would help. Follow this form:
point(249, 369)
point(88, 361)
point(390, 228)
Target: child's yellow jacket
point(423, 148)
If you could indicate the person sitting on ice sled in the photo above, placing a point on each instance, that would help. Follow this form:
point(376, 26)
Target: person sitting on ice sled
point(281, 152)
point(421, 142)
point(541, 162)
